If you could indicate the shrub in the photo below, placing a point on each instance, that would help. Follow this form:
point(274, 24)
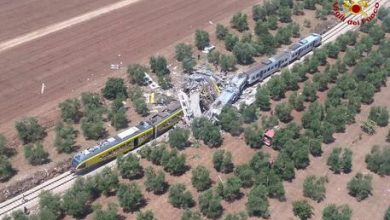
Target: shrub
point(107, 181)
point(130, 197)
point(155, 181)
point(92, 125)
point(190, 215)
point(314, 188)
point(360, 186)
point(114, 88)
point(6, 170)
point(239, 22)
point(257, 202)
point(222, 161)
point(179, 197)
point(35, 154)
point(129, 167)
point(333, 212)
point(65, 138)
point(221, 31)
point(70, 110)
point(183, 51)
point(283, 112)
point(201, 178)
point(178, 138)
point(159, 65)
point(110, 214)
point(50, 201)
point(378, 160)
point(76, 200)
point(230, 120)
point(230, 190)
point(117, 115)
point(380, 115)
point(253, 136)
point(136, 74)
point(29, 130)
point(210, 205)
point(201, 39)
point(147, 215)
point(246, 175)
point(174, 163)
point(302, 209)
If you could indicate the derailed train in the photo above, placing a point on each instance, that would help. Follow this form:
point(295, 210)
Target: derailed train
point(259, 72)
point(158, 124)
point(127, 140)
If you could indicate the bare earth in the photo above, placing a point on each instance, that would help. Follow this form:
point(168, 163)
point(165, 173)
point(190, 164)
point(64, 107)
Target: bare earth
point(77, 59)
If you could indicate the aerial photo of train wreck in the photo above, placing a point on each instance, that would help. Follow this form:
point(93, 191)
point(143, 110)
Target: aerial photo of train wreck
point(195, 109)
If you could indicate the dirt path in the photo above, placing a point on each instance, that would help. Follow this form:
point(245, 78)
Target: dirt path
point(62, 25)
point(77, 59)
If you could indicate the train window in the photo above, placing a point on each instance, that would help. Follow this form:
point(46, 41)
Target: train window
point(82, 166)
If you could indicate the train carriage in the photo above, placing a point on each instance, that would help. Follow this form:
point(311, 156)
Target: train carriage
point(127, 140)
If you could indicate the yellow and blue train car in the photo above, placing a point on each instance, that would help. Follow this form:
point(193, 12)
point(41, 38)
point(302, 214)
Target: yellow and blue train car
point(128, 140)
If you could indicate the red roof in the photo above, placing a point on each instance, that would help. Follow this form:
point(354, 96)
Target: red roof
point(270, 133)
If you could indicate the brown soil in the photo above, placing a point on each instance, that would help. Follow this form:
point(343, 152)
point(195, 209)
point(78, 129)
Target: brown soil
point(20, 17)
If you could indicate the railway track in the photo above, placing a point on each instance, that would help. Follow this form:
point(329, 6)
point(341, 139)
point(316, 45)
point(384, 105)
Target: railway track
point(29, 199)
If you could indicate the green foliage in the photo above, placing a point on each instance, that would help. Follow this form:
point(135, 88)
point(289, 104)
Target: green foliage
point(254, 136)
point(155, 182)
point(201, 39)
point(248, 113)
point(210, 205)
point(222, 161)
point(284, 166)
point(159, 65)
point(276, 87)
point(244, 52)
point(136, 74)
point(230, 190)
point(314, 188)
point(70, 110)
point(283, 36)
point(179, 197)
point(174, 163)
point(188, 64)
point(291, 79)
point(333, 212)
point(17, 215)
point(230, 120)
point(201, 178)
point(227, 62)
point(178, 138)
point(380, 115)
point(321, 79)
point(214, 57)
point(239, 22)
point(246, 175)
point(230, 41)
point(154, 153)
point(377, 34)
point(114, 88)
point(346, 161)
point(129, 167)
point(259, 13)
point(76, 200)
point(92, 102)
point(147, 215)
point(107, 181)
point(263, 98)
point(35, 154)
point(259, 162)
point(140, 106)
point(65, 138)
point(190, 215)
point(333, 50)
point(236, 216)
point(203, 129)
point(110, 214)
point(221, 31)
point(183, 51)
point(50, 201)
point(269, 122)
point(29, 130)
point(387, 214)
point(117, 115)
point(283, 112)
point(6, 170)
point(257, 204)
point(272, 22)
point(309, 92)
point(360, 186)
point(378, 160)
point(302, 209)
point(285, 14)
point(296, 101)
point(130, 197)
point(92, 125)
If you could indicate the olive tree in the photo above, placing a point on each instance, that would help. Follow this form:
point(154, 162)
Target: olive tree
point(29, 130)
point(360, 186)
point(201, 178)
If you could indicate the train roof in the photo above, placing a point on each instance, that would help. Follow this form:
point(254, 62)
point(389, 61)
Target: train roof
point(112, 141)
point(171, 108)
